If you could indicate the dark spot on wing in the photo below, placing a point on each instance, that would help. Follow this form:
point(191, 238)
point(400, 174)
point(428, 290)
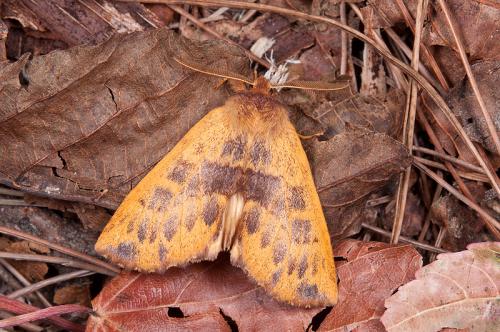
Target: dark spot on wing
point(265, 240)
point(279, 252)
point(260, 154)
point(235, 148)
point(296, 198)
point(210, 211)
point(170, 227)
point(220, 179)
point(251, 220)
point(126, 251)
point(227, 180)
point(142, 202)
point(277, 208)
point(130, 226)
point(276, 277)
point(301, 231)
point(162, 252)
point(308, 291)
point(190, 221)
point(260, 187)
point(159, 199)
point(180, 171)
point(141, 233)
point(152, 236)
point(315, 266)
point(303, 266)
point(291, 266)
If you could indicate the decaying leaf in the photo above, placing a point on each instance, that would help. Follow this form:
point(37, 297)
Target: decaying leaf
point(460, 224)
point(75, 293)
point(85, 124)
point(203, 293)
point(33, 271)
point(350, 166)
point(371, 272)
point(464, 104)
point(459, 290)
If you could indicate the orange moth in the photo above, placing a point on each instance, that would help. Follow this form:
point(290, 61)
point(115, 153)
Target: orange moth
point(238, 181)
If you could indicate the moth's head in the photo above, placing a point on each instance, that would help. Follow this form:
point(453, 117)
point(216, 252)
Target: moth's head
point(261, 85)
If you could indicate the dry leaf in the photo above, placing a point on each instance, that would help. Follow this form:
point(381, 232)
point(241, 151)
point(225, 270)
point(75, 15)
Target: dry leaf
point(205, 292)
point(463, 102)
point(460, 224)
point(476, 23)
point(33, 271)
point(87, 123)
point(459, 290)
point(75, 293)
point(78, 22)
point(371, 272)
point(349, 167)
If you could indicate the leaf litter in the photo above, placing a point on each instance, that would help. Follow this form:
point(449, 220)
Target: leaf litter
point(85, 123)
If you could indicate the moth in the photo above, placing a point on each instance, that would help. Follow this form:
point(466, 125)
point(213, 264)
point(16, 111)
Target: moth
point(238, 181)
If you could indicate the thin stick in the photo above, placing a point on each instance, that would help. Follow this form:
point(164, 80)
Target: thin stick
point(409, 125)
point(388, 56)
point(64, 250)
point(465, 175)
point(56, 260)
point(26, 326)
point(404, 239)
point(486, 217)
point(37, 314)
point(425, 49)
point(343, 40)
point(47, 282)
point(447, 157)
point(463, 56)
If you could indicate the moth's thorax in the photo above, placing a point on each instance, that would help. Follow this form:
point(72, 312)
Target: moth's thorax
point(258, 112)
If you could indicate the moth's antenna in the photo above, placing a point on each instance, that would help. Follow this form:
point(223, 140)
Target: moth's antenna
point(314, 85)
point(209, 70)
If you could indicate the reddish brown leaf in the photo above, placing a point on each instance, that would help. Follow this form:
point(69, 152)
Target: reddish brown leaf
point(204, 293)
point(459, 290)
point(371, 272)
point(33, 271)
point(75, 293)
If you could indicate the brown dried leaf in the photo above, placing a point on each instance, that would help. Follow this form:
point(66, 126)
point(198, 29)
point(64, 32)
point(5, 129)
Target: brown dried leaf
point(203, 292)
point(79, 22)
point(371, 272)
point(76, 293)
point(460, 224)
point(87, 123)
point(33, 271)
point(476, 23)
point(350, 166)
point(459, 290)
point(463, 102)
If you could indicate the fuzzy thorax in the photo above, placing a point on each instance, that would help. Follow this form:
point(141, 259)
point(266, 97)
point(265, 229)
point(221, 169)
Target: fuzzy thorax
point(257, 112)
